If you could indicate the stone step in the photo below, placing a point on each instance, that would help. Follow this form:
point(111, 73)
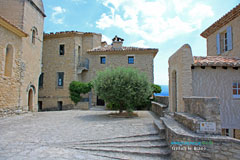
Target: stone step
point(190, 121)
point(145, 144)
point(127, 153)
point(158, 124)
point(159, 137)
point(125, 156)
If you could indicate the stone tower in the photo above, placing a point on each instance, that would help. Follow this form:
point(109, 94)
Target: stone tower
point(28, 16)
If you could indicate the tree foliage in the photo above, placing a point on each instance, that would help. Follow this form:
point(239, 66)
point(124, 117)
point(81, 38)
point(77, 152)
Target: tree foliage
point(77, 88)
point(156, 88)
point(124, 88)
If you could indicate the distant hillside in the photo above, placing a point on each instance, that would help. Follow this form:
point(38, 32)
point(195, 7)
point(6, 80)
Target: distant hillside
point(164, 91)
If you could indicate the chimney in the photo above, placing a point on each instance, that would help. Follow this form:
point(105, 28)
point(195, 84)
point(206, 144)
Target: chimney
point(117, 42)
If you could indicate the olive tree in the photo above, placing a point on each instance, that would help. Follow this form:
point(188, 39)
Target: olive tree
point(125, 88)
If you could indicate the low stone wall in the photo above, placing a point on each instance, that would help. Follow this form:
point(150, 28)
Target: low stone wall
point(158, 108)
point(210, 148)
point(162, 99)
point(82, 105)
point(207, 108)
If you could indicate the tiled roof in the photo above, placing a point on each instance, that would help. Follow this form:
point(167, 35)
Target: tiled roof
point(67, 33)
point(216, 61)
point(109, 48)
point(8, 25)
point(235, 12)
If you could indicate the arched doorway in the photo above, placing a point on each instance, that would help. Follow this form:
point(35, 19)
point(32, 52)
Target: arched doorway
point(174, 91)
point(30, 100)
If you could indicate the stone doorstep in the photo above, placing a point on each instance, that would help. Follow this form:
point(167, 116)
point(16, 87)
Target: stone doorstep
point(190, 121)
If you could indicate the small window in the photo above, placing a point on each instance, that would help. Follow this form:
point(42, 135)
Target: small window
point(61, 49)
point(103, 60)
point(236, 89)
point(33, 36)
point(130, 59)
point(60, 79)
point(41, 80)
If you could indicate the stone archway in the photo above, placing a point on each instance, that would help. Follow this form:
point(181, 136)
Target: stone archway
point(174, 91)
point(30, 100)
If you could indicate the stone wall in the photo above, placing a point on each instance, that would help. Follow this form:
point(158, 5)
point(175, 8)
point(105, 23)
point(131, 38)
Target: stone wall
point(180, 77)
point(215, 148)
point(9, 85)
point(217, 82)
point(162, 99)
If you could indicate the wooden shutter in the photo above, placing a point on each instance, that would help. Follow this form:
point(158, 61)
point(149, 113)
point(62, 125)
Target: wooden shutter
point(229, 38)
point(218, 44)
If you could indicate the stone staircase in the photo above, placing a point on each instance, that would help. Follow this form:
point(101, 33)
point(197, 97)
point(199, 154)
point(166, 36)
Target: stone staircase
point(150, 146)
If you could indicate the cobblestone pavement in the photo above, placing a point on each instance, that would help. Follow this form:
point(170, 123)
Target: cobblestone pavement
point(47, 135)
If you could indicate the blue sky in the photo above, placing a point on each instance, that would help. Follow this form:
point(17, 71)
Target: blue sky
point(162, 24)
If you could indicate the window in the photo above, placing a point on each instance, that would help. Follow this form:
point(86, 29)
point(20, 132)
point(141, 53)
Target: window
point(41, 81)
point(60, 79)
point(8, 61)
point(33, 36)
point(224, 40)
point(130, 59)
point(103, 60)
point(236, 90)
point(61, 49)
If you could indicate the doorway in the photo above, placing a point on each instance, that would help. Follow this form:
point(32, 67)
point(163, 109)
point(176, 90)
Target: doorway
point(100, 102)
point(30, 100)
point(60, 104)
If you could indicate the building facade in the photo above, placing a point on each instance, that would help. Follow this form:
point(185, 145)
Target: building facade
point(79, 56)
point(21, 25)
point(216, 75)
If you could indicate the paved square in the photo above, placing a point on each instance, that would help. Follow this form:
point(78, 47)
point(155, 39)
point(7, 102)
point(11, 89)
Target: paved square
point(58, 135)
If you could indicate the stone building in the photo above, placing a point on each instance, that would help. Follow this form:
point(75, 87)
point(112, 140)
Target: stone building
point(78, 56)
point(216, 75)
point(21, 32)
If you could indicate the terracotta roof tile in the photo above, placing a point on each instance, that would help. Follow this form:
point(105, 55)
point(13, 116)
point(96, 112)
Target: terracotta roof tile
point(216, 61)
point(235, 12)
point(109, 48)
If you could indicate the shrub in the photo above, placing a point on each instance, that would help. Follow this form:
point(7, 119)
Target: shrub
point(156, 88)
point(77, 88)
point(123, 88)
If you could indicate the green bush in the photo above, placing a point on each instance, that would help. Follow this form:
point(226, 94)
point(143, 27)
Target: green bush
point(156, 88)
point(123, 88)
point(77, 88)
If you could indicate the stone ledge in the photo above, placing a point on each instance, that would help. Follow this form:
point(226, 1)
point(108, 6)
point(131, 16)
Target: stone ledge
point(181, 131)
point(158, 108)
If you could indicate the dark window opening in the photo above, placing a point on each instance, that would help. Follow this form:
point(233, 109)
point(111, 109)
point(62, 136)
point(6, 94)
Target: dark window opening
point(61, 49)
point(60, 78)
point(60, 103)
point(103, 60)
point(39, 105)
point(33, 36)
point(130, 60)
point(41, 80)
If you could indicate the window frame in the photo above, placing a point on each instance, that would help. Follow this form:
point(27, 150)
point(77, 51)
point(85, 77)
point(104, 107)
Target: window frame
point(41, 81)
point(101, 58)
point(62, 79)
point(237, 89)
point(131, 56)
point(61, 54)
